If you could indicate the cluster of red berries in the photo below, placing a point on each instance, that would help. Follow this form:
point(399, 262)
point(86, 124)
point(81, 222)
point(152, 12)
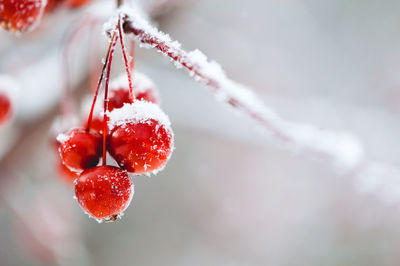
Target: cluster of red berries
point(134, 131)
point(23, 15)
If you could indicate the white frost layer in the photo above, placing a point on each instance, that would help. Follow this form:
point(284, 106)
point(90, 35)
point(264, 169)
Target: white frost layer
point(343, 149)
point(139, 111)
point(141, 82)
point(61, 138)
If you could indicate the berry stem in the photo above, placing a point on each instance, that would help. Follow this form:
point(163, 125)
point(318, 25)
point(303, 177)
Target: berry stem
point(114, 43)
point(127, 66)
point(132, 54)
point(89, 122)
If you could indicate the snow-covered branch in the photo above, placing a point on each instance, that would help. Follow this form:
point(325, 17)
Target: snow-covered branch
point(344, 149)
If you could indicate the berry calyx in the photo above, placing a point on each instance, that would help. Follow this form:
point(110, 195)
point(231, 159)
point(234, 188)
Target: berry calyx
point(144, 90)
point(5, 108)
point(104, 192)
point(80, 149)
point(20, 15)
point(141, 139)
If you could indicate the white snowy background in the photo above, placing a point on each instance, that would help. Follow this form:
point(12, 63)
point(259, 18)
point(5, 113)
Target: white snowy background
point(229, 195)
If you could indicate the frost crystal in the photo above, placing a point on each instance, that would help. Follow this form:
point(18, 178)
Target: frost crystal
point(140, 111)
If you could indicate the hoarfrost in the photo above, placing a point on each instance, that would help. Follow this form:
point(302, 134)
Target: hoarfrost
point(343, 148)
point(140, 111)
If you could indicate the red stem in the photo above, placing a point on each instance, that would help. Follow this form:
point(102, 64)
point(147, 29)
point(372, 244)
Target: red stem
point(89, 122)
point(132, 53)
point(105, 119)
point(127, 67)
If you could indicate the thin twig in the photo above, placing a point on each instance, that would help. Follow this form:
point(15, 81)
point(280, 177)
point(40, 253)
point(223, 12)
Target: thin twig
point(342, 148)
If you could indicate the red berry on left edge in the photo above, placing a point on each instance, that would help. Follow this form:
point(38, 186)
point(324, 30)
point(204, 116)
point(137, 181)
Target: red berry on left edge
point(5, 108)
point(20, 15)
point(104, 192)
point(80, 149)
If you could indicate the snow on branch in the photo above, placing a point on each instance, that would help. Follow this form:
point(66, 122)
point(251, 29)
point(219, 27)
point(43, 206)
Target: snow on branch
point(343, 148)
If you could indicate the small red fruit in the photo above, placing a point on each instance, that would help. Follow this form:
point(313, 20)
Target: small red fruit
point(5, 108)
point(80, 149)
point(141, 139)
point(104, 192)
point(20, 15)
point(143, 88)
point(76, 3)
point(96, 124)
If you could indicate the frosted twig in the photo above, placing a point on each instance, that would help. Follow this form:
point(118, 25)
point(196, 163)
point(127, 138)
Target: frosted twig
point(343, 148)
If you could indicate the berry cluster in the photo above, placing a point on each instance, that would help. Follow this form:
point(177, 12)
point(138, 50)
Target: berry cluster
point(23, 15)
point(134, 131)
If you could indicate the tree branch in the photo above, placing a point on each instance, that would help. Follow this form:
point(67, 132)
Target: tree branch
point(344, 149)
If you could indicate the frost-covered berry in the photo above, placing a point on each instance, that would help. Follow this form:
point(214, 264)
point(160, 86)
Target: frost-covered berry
point(20, 15)
point(80, 149)
point(141, 139)
point(5, 108)
point(143, 89)
point(104, 192)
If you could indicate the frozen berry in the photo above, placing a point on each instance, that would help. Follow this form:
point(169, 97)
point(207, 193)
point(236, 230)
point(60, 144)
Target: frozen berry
point(5, 108)
point(80, 149)
point(104, 192)
point(143, 88)
point(141, 139)
point(20, 15)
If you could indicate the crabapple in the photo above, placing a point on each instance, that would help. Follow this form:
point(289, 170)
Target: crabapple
point(143, 89)
point(104, 192)
point(20, 15)
point(141, 139)
point(5, 108)
point(80, 149)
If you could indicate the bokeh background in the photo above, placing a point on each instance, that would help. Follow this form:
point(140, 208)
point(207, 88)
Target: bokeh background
point(229, 195)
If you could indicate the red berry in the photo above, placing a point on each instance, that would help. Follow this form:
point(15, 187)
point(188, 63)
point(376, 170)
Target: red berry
point(117, 98)
point(104, 192)
point(143, 88)
point(141, 140)
point(76, 3)
point(5, 108)
point(52, 5)
point(20, 15)
point(80, 149)
point(96, 124)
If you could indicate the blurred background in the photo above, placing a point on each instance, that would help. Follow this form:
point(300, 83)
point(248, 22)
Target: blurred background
point(229, 195)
